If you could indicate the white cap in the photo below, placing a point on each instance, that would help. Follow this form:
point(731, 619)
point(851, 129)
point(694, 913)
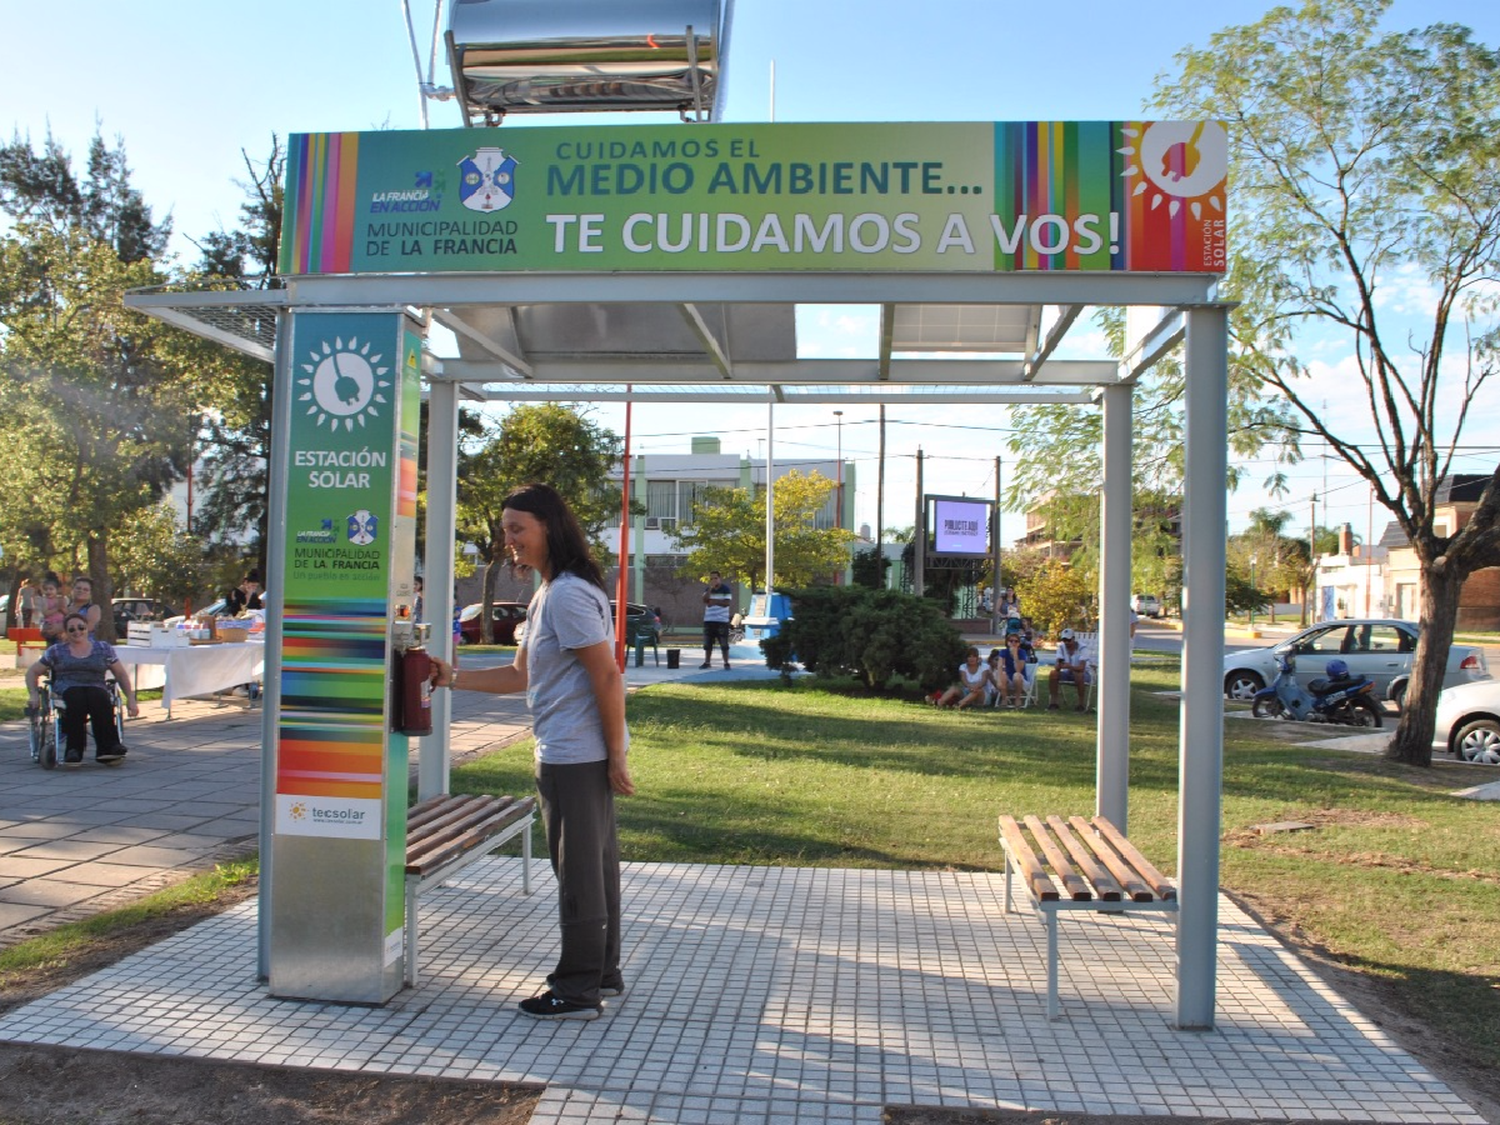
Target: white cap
point(1065, 635)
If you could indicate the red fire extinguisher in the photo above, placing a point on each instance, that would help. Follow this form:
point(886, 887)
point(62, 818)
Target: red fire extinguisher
point(414, 692)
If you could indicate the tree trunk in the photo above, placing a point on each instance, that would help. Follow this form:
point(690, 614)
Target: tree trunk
point(487, 597)
point(1441, 584)
point(13, 607)
point(104, 593)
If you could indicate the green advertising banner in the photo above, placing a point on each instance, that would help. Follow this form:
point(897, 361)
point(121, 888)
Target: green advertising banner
point(330, 764)
point(954, 197)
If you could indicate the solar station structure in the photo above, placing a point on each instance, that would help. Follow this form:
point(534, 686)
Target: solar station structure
point(980, 244)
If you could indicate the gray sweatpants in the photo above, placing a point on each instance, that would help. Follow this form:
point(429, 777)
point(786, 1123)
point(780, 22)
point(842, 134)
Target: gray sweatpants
point(578, 814)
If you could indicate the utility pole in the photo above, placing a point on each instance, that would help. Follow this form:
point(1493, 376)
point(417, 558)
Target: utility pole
point(1308, 614)
point(919, 536)
point(838, 512)
point(880, 504)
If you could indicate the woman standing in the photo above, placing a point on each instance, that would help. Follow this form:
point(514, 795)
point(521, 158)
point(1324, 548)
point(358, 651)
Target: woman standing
point(566, 666)
point(77, 666)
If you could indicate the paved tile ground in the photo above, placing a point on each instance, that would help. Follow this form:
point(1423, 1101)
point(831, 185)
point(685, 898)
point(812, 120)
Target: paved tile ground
point(756, 994)
point(784, 995)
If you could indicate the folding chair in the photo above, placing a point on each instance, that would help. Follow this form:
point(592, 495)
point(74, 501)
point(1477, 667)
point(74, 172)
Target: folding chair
point(1029, 699)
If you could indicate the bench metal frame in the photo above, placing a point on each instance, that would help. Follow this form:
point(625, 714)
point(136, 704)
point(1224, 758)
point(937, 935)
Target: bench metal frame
point(454, 832)
point(1105, 875)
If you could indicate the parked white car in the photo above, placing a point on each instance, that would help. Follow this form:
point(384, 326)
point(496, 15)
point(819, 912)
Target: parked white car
point(1468, 722)
point(1378, 648)
point(1146, 605)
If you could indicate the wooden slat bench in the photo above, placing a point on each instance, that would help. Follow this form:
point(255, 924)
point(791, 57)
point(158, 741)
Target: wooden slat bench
point(445, 834)
point(1093, 864)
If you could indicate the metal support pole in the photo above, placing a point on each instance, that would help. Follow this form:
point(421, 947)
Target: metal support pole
point(770, 502)
point(1113, 745)
point(1201, 749)
point(438, 553)
point(880, 502)
point(995, 583)
point(270, 716)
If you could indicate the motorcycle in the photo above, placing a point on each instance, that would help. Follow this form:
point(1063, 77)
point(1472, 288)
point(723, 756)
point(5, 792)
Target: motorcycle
point(1341, 698)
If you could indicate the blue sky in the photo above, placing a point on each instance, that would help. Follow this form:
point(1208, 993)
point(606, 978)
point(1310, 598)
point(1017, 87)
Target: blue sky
point(188, 85)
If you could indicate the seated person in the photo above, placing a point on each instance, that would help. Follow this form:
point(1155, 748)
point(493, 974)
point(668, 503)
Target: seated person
point(1010, 672)
point(1071, 667)
point(973, 682)
point(82, 602)
point(244, 596)
point(992, 689)
point(77, 666)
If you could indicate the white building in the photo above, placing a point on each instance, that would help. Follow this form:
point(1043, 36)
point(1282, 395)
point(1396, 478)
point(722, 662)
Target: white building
point(669, 484)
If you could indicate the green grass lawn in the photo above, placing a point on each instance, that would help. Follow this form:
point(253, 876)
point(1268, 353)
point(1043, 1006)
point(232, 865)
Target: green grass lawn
point(1398, 879)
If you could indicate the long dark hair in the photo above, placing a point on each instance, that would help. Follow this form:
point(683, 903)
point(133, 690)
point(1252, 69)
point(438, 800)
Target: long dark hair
point(567, 545)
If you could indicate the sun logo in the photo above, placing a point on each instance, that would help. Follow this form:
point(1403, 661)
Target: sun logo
point(299, 811)
point(1181, 160)
point(343, 383)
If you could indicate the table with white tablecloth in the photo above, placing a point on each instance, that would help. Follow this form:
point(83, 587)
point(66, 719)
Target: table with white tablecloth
point(195, 670)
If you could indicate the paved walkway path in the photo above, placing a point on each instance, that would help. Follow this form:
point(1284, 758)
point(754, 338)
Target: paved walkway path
point(786, 996)
point(770, 995)
point(77, 841)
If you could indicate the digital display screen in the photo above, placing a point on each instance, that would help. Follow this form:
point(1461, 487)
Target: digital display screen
point(960, 527)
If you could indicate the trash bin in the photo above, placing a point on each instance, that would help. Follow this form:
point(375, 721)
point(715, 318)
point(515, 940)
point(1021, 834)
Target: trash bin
point(673, 656)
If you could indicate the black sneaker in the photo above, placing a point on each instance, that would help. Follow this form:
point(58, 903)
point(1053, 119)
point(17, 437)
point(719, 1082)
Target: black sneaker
point(1052, 706)
point(705, 664)
point(550, 1007)
point(110, 757)
point(73, 758)
point(615, 989)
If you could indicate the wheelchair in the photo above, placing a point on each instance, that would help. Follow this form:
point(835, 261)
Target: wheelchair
point(44, 724)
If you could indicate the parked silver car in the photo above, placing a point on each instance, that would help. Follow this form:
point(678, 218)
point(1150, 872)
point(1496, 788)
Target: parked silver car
point(1378, 648)
point(1468, 722)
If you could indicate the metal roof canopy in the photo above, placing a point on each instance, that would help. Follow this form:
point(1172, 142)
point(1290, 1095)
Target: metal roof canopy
point(715, 336)
point(726, 337)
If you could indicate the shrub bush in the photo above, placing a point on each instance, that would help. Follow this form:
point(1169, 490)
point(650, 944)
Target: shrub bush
point(872, 635)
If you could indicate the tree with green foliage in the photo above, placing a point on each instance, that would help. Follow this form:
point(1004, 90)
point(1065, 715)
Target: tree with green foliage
point(1359, 160)
point(869, 568)
point(96, 414)
point(728, 533)
point(1241, 596)
point(155, 557)
point(548, 442)
point(872, 635)
point(1058, 596)
point(1057, 463)
point(235, 488)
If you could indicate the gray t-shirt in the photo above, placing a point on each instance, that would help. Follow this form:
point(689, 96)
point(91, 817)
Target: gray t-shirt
point(565, 614)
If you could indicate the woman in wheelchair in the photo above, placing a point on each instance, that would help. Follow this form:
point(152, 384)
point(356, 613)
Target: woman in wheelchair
point(77, 666)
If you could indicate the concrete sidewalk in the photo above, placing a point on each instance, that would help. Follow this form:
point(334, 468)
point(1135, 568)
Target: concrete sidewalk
point(778, 996)
point(787, 996)
point(74, 842)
